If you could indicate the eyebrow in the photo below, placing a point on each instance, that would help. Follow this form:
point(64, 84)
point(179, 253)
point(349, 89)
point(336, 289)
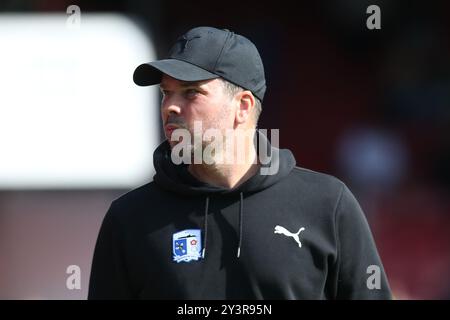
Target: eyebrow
point(185, 84)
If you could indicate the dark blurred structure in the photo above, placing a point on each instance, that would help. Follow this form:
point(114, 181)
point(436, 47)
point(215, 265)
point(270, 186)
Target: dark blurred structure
point(341, 95)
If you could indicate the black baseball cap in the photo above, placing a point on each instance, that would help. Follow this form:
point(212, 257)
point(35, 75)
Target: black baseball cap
point(207, 53)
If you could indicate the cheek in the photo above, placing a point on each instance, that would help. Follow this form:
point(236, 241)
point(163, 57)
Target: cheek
point(213, 113)
point(226, 114)
point(199, 111)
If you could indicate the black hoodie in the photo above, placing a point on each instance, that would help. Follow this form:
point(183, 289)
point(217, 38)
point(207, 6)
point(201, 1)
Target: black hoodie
point(296, 234)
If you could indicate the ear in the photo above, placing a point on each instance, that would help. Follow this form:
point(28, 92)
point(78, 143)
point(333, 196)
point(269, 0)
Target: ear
point(246, 103)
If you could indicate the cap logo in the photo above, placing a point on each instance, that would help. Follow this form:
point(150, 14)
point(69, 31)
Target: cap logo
point(186, 41)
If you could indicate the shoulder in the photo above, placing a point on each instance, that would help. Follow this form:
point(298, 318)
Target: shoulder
point(138, 199)
point(318, 192)
point(330, 191)
point(316, 181)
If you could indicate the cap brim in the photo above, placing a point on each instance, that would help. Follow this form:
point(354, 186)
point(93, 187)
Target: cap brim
point(148, 74)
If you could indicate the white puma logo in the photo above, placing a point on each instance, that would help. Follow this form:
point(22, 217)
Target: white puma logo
point(283, 230)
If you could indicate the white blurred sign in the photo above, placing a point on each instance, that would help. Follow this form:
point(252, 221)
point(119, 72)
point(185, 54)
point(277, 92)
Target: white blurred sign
point(70, 114)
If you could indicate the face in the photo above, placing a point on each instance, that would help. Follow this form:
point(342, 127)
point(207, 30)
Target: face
point(184, 103)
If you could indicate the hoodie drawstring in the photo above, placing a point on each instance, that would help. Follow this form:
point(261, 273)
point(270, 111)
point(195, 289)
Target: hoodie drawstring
point(205, 227)
point(241, 216)
point(241, 213)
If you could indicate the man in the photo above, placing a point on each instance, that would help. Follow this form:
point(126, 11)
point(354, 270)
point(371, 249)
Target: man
point(207, 228)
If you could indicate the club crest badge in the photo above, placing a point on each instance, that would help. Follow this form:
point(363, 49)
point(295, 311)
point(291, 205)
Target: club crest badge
point(187, 245)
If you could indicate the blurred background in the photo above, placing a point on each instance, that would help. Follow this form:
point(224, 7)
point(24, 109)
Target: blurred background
point(371, 107)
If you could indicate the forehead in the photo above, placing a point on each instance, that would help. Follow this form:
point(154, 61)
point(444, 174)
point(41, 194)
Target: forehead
point(168, 81)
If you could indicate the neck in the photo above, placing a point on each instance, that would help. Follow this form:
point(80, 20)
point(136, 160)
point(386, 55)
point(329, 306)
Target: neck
point(227, 175)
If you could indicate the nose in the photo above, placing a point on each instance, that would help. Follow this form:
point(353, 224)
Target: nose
point(170, 106)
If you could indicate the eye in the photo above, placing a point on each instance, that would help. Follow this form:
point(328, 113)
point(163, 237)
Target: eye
point(191, 93)
point(165, 95)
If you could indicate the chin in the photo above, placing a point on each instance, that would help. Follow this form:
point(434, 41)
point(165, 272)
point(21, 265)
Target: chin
point(172, 143)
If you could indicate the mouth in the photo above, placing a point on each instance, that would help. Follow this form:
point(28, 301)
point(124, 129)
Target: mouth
point(168, 129)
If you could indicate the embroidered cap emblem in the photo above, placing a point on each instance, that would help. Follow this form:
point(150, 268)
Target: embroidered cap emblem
point(186, 40)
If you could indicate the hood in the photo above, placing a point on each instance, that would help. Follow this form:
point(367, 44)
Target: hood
point(177, 178)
